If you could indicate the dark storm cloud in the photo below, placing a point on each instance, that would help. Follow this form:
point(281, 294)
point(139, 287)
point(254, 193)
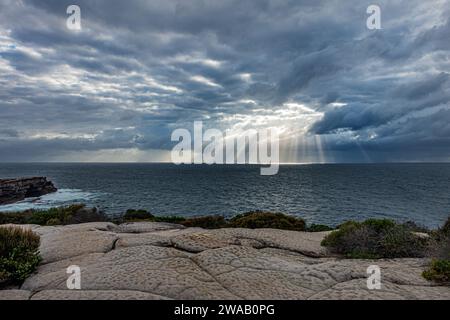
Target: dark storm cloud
point(139, 69)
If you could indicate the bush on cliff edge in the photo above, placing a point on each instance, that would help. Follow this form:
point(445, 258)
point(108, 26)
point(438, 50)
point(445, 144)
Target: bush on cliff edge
point(440, 245)
point(72, 214)
point(206, 222)
point(251, 220)
point(375, 239)
point(318, 228)
point(137, 215)
point(261, 219)
point(19, 254)
point(439, 269)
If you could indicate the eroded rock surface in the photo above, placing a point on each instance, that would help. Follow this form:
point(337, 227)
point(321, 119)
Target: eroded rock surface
point(168, 261)
point(14, 190)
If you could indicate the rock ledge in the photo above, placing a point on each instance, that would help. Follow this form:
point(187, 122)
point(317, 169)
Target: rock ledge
point(167, 261)
point(14, 190)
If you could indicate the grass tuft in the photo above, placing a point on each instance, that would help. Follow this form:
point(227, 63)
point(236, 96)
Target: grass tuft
point(19, 254)
point(439, 271)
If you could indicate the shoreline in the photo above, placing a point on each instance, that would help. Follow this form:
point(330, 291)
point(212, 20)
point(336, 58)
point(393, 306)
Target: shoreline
point(403, 192)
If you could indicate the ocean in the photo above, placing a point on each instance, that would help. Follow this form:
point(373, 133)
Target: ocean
point(319, 193)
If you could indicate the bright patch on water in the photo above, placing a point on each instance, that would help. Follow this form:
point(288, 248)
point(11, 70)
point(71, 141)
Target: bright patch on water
point(60, 198)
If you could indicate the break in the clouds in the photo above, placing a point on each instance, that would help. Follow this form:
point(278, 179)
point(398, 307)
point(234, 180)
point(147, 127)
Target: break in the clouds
point(137, 70)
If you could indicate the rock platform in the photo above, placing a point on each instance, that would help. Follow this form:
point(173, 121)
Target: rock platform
point(148, 260)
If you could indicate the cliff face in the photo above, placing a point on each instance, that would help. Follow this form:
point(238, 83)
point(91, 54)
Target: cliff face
point(13, 190)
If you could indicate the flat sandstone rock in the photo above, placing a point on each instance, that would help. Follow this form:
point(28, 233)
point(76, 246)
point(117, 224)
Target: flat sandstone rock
point(140, 261)
point(14, 294)
point(94, 295)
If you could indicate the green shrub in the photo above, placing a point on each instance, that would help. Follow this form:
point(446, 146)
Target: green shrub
point(318, 228)
point(379, 225)
point(85, 215)
point(440, 245)
point(169, 219)
point(54, 222)
point(62, 215)
point(207, 222)
point(260, 219)
point(73, 214)
point(412, 226)
point(254, 220)
point(137, 215)
point(443, 249)
point(445, 230)
point(439, 271)
point(19, 254)
point(16, 237)
point(15, 217)
point(374, 239)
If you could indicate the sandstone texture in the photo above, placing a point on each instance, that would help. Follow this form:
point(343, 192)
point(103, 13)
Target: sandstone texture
point(148, 261)
point(14, 190)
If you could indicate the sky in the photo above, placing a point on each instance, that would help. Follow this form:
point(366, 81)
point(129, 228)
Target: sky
point(139, 69)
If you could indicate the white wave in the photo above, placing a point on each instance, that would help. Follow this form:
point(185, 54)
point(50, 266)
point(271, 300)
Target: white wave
point(56, 199)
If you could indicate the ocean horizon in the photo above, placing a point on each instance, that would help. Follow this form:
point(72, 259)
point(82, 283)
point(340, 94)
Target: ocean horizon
point(320, 193)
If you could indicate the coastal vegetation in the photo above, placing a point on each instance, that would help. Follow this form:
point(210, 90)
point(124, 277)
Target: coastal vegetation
point(376, 239)
point(73, 214)
point(206, 222)
point(137, 215)
point(439, 271)
point(251, 220)
point(441, 242)
point(260, 219)
point(383, 238)
point(318, 228)
point(19, 254)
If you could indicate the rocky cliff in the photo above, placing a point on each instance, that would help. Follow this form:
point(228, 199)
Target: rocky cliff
point(13, 190)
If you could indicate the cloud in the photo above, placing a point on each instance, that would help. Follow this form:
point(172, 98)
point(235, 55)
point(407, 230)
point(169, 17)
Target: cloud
point(139, 69)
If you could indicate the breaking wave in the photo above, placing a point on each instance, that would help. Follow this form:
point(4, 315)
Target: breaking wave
point(60, 198)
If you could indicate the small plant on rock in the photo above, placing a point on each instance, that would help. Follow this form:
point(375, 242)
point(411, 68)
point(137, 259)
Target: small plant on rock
point(439, 271)
point(19, 254)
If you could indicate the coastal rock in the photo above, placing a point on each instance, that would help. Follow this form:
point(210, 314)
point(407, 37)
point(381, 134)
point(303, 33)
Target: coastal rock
point(161, 238)
point(306, 243)
point(95, 295)
point(356, 289)
point(73, 242)
point(14, 295)
point(161, 261)
point(161, 271)
point(146, 227)
point(14, 190)
point(201, 241)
